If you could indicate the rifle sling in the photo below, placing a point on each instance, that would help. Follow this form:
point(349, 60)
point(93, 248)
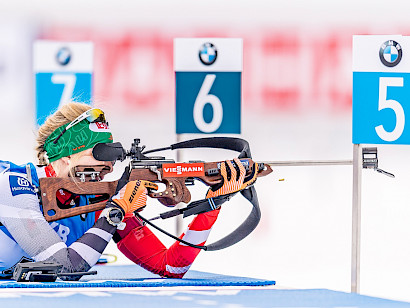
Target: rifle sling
point(206, 205)
point(246, 227)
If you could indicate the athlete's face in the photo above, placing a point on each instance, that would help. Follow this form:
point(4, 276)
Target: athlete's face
point(86, 158)
point(64, 166)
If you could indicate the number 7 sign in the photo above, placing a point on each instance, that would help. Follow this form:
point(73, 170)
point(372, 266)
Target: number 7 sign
point(63, 73)
point(381, 75)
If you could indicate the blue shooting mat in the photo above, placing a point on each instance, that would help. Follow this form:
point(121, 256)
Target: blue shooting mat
point(221, 298)
point(135, 276)
point(196, 289)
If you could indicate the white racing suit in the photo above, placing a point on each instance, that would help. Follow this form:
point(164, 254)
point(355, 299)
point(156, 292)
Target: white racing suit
point(75, 242)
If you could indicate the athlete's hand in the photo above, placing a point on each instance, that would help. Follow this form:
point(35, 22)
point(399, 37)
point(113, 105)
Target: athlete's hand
point(233, 179)
point(132, 196)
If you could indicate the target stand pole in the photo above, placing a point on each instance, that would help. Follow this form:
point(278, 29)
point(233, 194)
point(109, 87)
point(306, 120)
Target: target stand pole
point(356, 217)
point(357, 163)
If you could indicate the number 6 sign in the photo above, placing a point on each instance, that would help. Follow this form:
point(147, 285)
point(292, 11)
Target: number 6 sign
point(381, 100)
point(208, 85)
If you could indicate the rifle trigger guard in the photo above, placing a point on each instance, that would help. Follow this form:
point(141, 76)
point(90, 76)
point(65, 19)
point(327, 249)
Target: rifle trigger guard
point(156, 171)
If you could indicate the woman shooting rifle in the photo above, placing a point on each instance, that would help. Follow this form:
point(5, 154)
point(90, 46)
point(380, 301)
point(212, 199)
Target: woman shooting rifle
point(65, 141)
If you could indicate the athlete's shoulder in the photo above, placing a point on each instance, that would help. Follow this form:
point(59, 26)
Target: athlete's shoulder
point(4, 166)
point(8, 166)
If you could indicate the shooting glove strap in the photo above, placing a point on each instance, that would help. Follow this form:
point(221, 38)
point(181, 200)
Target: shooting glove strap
point(205, 205)
point(198, 207)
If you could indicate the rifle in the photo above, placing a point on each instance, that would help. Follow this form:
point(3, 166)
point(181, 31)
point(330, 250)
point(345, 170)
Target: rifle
point(175, 176)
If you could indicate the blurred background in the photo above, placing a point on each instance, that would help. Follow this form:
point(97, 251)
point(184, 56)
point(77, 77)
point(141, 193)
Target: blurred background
point(296, 105)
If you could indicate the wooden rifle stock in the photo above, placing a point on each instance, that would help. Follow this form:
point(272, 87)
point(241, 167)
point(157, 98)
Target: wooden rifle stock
point(174, 176)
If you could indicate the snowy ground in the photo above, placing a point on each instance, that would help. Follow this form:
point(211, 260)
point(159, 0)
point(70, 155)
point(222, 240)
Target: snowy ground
point(304, 238)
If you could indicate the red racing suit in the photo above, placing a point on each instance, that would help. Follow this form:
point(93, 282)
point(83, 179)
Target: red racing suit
point(140, 245)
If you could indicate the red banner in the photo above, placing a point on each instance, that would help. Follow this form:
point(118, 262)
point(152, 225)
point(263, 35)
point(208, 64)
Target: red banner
point(288, 72)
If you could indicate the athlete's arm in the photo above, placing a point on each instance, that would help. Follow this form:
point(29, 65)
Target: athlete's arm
point(141, 246)
point(21, 216)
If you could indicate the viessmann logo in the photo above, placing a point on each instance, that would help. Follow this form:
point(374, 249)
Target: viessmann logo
point(182, 170)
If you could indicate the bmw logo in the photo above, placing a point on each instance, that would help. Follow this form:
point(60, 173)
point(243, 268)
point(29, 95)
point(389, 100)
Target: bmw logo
point(390, 53)
point(63, 56)
point(208, 53)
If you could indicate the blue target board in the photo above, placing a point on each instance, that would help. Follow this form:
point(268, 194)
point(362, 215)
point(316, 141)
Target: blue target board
point(381, 85)
point(63, 73)
point(208, 73)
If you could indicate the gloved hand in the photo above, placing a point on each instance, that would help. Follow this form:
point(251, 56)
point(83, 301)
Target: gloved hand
point(132, 196)
point(233, 180)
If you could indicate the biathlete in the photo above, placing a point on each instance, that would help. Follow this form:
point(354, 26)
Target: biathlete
point(64, 141)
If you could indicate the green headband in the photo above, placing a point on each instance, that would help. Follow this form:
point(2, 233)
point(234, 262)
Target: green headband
point(79, 137)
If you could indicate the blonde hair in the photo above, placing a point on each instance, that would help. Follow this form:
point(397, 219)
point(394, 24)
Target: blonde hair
point(67, 113)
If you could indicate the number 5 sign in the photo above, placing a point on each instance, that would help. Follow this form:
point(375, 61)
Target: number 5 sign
point(63, 73)
point(381, 100)
point(208, 85)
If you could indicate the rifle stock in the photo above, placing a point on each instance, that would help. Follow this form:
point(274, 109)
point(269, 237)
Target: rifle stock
point(173, 175)
point(49, 188)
